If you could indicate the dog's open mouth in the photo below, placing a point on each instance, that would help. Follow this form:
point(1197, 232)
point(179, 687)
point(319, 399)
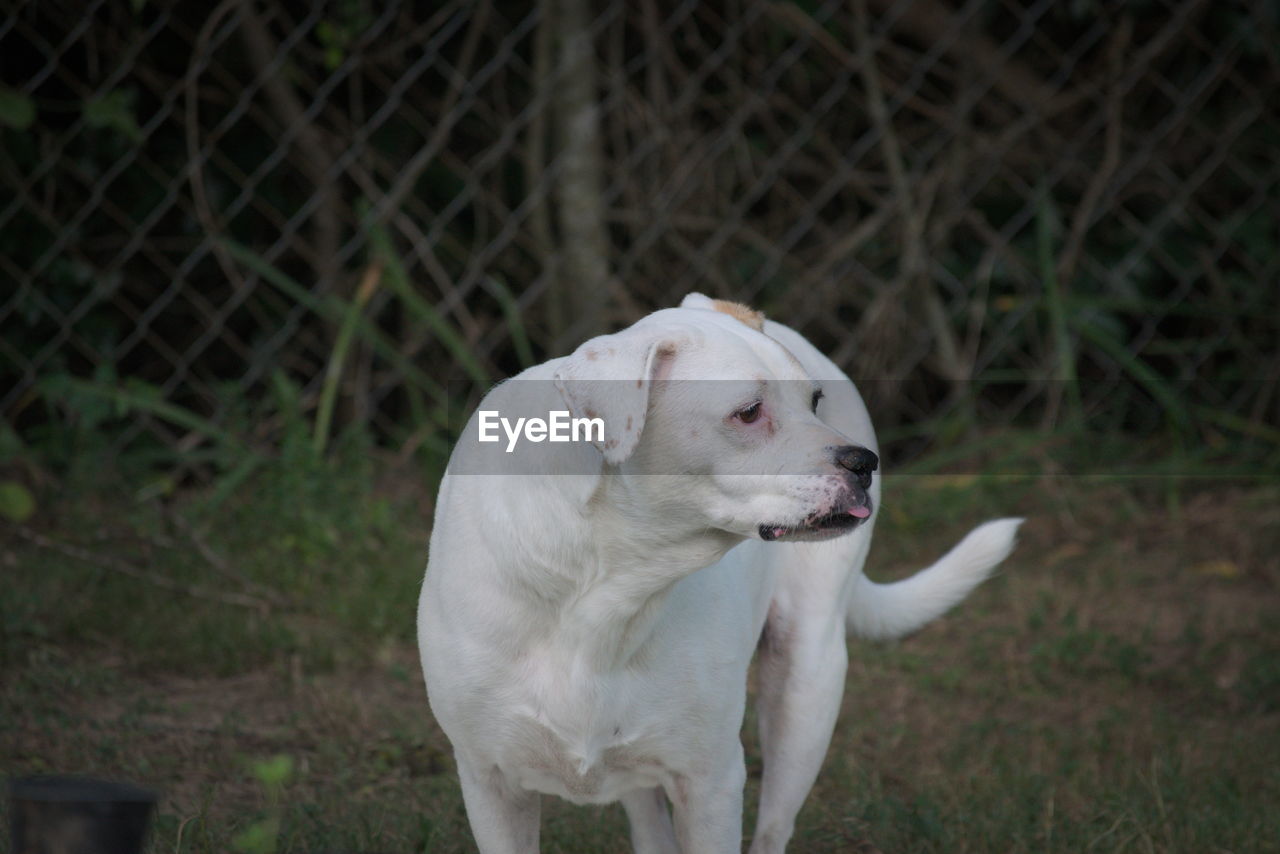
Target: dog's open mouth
point(820, 527)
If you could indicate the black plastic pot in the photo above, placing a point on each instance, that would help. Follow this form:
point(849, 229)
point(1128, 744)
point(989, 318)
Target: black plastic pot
point(78, 815)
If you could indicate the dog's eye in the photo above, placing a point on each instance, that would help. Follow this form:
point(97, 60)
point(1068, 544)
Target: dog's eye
point(749, 414)
point(817, 396)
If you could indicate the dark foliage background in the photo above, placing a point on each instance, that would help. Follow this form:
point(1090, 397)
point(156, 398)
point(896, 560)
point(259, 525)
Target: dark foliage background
point(993, 214)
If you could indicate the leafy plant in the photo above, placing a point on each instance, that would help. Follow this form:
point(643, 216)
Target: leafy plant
point(17, 504)
point(263, 836)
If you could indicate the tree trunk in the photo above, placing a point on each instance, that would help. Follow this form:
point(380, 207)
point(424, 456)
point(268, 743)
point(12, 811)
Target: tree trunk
point(583, 287)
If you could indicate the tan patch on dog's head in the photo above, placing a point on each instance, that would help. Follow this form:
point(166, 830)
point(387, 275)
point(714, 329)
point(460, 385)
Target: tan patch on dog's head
point(738, 311)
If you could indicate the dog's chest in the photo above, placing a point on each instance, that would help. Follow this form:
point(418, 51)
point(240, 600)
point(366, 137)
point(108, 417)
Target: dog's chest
point(586, 742)
point(581, 771)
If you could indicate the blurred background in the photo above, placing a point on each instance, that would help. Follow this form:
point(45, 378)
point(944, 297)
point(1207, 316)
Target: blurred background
point(989, 213)
point(257, 258)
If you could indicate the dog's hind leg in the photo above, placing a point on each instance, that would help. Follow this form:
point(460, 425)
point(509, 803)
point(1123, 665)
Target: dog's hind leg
point(504, 821)
point(802, 662)
point(802, 666)
point(651, 828)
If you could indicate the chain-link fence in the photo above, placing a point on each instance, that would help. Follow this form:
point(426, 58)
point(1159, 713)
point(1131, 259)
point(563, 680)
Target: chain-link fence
point(987, 211)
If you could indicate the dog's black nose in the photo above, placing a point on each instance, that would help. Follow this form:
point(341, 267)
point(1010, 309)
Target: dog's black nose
point(860, 461)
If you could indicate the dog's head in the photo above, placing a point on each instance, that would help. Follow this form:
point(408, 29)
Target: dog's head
point(717, 425)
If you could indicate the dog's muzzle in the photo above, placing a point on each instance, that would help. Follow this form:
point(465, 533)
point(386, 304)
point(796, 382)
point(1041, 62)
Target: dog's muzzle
point(852, 511)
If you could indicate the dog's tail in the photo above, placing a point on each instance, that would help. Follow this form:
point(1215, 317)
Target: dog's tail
point(884, 611)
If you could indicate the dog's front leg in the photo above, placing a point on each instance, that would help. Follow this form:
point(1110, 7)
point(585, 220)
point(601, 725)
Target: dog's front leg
point(708, 808)
point(802, 666)
point(504, 820)
point(651, 828)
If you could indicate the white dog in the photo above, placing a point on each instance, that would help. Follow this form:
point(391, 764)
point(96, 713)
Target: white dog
point(590, 608)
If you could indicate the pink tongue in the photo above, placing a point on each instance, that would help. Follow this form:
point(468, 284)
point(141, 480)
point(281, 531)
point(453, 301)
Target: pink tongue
point(778, 532)
point(860, 512)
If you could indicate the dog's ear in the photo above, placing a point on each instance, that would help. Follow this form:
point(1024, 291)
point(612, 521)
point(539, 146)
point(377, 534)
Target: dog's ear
point(610, 378)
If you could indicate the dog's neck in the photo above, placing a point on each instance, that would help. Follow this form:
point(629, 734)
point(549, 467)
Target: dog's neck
point(636, 571)
point(596, 586)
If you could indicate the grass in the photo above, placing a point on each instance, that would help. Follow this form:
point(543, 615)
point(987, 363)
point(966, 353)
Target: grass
point(1115, 688)
point(1110, 690)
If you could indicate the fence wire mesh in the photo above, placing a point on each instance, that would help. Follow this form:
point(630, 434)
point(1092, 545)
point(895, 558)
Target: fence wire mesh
point(988, 212)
